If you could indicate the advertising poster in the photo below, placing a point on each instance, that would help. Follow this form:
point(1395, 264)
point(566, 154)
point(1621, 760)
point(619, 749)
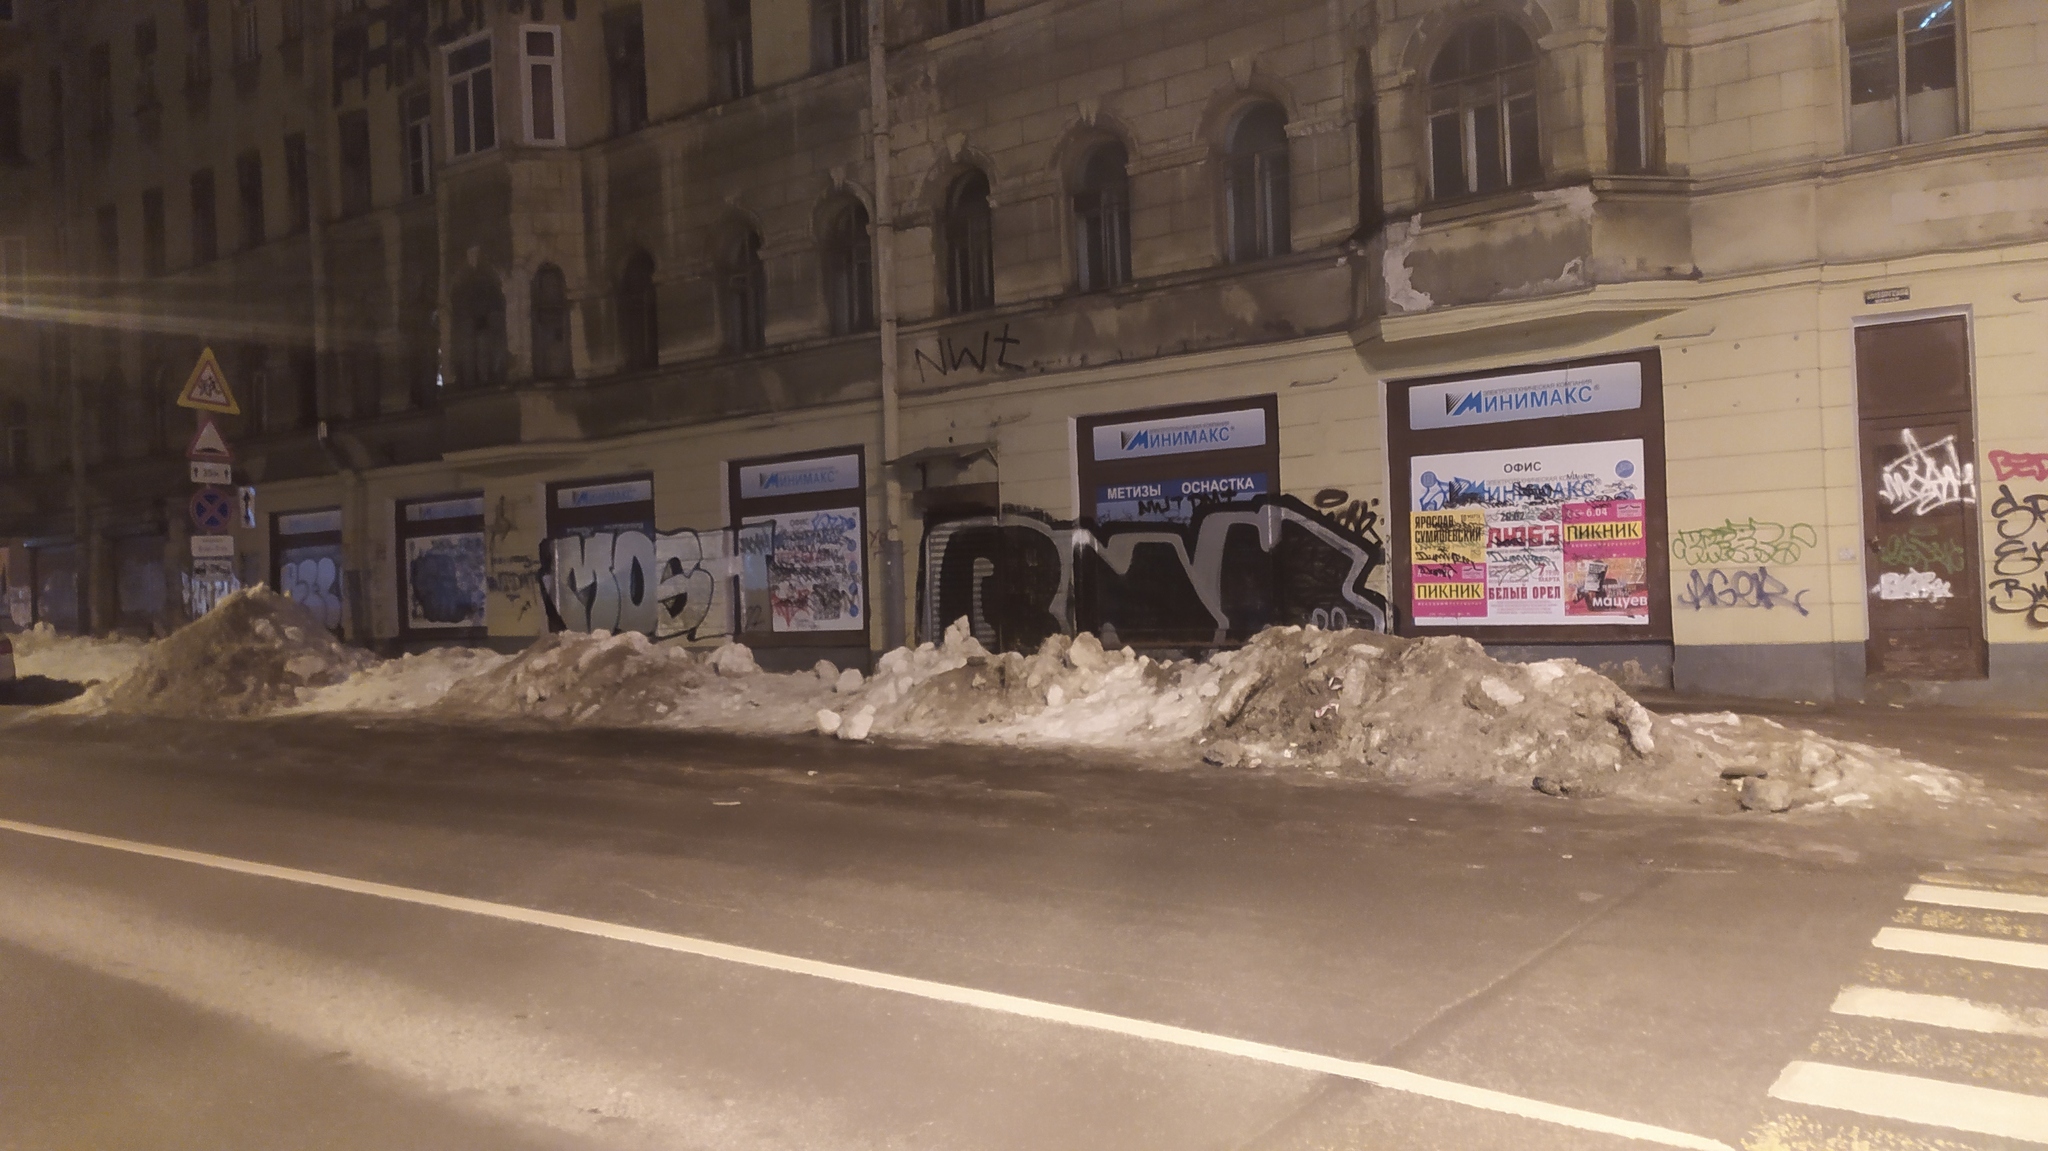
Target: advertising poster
point(1564, 540)
point(1448, 549)
point(813, 570)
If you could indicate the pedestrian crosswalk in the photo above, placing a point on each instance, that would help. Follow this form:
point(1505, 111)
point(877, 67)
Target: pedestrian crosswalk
point(1941, 1043)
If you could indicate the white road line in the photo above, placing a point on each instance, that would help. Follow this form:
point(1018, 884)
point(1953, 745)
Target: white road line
point(1911, 1099)
point(1392, 1078)
point(1977, 898)
point(1935, 1011)
point(2010, 952)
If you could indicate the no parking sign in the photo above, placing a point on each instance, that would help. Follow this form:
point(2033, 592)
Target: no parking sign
point(212, 510)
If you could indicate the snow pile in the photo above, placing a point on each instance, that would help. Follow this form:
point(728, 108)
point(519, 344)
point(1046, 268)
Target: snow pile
point(249, 656)
point(1436, 713)
point(625, 680)
point(408, 683)
point(79, 659)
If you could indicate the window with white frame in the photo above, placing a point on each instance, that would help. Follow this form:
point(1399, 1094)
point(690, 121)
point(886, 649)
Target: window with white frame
point(540, 60)
point(472, 103)
point(1904, 64)
point(417, 121)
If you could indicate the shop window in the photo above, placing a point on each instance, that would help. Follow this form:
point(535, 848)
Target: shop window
point(249, 194)
point(743, 293)
point(1904, 62)
point(600, 552)
point(416, 112)
point(205, 222)
point(1483, 134)
point(472, 103)
point(625, 49)
point(550, 324)
point(476, 356)
point(732, 48)
point(1633, 85)
point(1257, 187)
point(441, 566)
point(970, 269)
point(352, 138)
point(1102, 220)
point(155, 258)
point(839, 33)
point(803, 562)
point(849, 266)
point(639, 317)
point(961, 13)
point(540, 50)
point(298, 186)
point(307, 562)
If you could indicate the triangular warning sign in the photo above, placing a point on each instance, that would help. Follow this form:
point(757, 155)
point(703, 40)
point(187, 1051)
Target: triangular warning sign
point(207, 388)
point(208, 443)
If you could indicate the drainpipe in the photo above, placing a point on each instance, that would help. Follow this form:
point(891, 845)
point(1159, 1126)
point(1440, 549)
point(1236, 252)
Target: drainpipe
point(883, 224)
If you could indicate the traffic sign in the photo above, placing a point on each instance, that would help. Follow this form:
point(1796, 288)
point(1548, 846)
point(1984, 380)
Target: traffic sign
point(208, 444)
point(207, 472)
point(213, 547)
point(207, 388)
point(212, 510)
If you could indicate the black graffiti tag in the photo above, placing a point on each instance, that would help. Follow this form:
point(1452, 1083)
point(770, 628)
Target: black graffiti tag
point(2019, 564)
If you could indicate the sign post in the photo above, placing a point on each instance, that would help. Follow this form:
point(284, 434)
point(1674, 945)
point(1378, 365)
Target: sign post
point(212, 510)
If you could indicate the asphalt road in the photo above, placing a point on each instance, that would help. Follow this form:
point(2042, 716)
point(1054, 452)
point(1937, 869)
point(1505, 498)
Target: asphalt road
point(548, 963)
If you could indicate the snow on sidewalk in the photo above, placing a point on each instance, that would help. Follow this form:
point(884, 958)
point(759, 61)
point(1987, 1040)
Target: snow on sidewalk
point(1435, 714)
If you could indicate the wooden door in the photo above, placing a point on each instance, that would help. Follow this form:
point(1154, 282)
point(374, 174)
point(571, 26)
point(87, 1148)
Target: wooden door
point(1924, 574)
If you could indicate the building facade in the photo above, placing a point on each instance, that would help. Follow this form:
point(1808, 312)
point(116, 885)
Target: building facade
point(1699, 339)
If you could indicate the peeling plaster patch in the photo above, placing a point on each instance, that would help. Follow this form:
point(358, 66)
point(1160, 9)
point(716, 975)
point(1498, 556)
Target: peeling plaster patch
point(1401, 291)
point(1578, 201)
point(1238, 304)
point(1573, 276)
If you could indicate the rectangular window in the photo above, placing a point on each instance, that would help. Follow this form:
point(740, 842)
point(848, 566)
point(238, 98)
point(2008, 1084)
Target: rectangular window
point(249, 195)
point(472, 105)
point(732, 48)
point(419, 144)
point(1903, 70)
point(57, 119)
point(14, 270)
point(248, 32)
point(145, 66)
point(441, 570)
point(205, 224)
point(155, 258)
point(353, 140)
point(293, 14)
point(839, 33)
point(961, 13)
point(99, 92)
point(198, 44)
point(540, 58)
point(625, 48)
point(298, 184)
point(107, 222)
point(10, 119)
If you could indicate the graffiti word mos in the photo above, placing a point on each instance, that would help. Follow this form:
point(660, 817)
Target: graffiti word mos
point(669, 584)
point(1752, 541)
point(1741, 588)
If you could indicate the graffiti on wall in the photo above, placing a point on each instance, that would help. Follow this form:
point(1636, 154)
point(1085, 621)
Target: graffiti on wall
point(312, 576)
point(987, 350)
point(444, 581)
point(670, 584)
point(1924, 479)
point(2018, 584)
point(1231, 570)
point(812, 564)
point(1922, 547)
point(1740, 588)
point(2020, 466)
point(1752, 541)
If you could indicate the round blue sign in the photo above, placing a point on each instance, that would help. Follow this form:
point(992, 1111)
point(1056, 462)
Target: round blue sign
point(212, 510)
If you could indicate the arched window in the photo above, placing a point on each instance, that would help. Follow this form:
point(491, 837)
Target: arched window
point(969, 248)
point(743, 293)
point(1482, 111)
point(849, 265)
point(550, 324)
point(1102, 220)
point(476, 353)
point(1633, 85)
point(1256, 188)
point(639, 329)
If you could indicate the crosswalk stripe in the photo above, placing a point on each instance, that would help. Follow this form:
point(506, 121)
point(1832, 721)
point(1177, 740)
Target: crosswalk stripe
point(2010, 952)
point(1982, 900)
point(1911, 1099)
point(1934, 1011)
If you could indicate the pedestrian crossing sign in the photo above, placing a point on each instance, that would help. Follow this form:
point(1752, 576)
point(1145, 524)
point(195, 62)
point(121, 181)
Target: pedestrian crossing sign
point(207, 388)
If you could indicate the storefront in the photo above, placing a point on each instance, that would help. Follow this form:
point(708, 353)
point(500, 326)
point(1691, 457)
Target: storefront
point(800, 522)
point(599, 568)
point(1530, 504)
point(307, 561)
point(441, 574)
